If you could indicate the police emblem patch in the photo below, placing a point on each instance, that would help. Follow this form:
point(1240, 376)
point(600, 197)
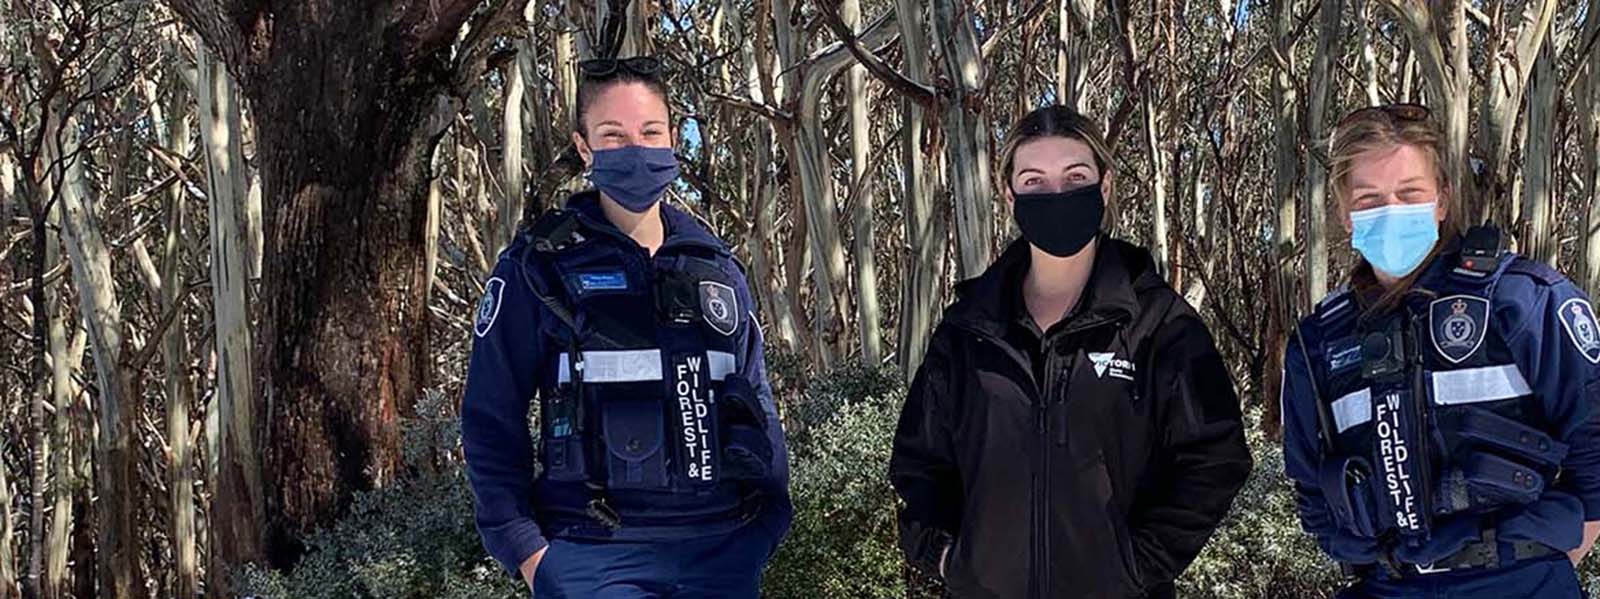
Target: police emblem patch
point(1577, 316)
point(489, 306)
point(1459, 324)
point(720, 307)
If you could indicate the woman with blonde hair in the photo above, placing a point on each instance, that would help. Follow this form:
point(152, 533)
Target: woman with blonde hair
point(1073, 431)
point(1437, 407)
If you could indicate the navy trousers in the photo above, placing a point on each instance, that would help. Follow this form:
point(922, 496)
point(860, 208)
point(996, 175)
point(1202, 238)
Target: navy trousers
point(717, 567)
point(1548, 578)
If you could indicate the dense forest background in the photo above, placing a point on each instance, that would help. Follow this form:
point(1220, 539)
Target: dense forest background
point(242, 241)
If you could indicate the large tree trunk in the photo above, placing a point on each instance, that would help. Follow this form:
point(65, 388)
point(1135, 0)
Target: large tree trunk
point(1316, 175)
point(343, 349)
point(116, 477)
point(239, 505)
point(865, 245)
point(966, 134)
point(925, 226)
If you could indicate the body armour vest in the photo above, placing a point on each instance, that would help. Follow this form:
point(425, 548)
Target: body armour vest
point(645, 420)
point(1425, 414)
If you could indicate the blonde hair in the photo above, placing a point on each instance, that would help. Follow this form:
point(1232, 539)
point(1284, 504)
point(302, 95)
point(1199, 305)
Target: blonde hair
point(1378, 129)
point(1060, 121)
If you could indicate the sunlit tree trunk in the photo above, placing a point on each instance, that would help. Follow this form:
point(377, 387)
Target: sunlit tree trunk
point(172, 132)
point(926, 231)
point(966, 131)
point(1587, 96)
point(1437, 32)
point(866, 280)
point(1074, 49)
point(119, 572)
point(238, 507)
point(1316, 173)
point(1511, 61)
point(1538, 233)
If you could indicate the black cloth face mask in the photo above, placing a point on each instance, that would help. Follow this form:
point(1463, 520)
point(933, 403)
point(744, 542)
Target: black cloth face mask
point(1061, 223)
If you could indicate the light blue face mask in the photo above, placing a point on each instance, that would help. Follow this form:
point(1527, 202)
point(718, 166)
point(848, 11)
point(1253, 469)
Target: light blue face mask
point(1395, 238)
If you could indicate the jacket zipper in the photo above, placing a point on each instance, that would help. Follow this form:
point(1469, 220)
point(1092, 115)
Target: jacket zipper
point(1419, 399)
point(1038, 586)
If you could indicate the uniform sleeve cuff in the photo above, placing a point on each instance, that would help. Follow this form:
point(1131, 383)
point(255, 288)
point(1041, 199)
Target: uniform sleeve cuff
point(1591, 507)
point(513, 543)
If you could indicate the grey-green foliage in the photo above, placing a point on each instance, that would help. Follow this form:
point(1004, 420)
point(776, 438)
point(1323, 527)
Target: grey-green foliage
point(1259, 550)
point(843, 542)
point(414, 540)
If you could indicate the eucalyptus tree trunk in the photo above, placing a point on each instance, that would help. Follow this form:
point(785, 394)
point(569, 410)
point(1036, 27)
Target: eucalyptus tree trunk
point(1074, 51)
point(926, 229)
point(172, 132)
point(511, 138)
point(238, 506)
point(1511, 60)
point(1437, 32)
point(8, 574)
point(1538, 233)
point(1316, 175)
point(867, 312)
point(761, 201)
point(118, 570)
point(342, 350)
point(1369, 52)
point(810, 150)
point(1587, 99)
point(966, 130)
point(65, 357)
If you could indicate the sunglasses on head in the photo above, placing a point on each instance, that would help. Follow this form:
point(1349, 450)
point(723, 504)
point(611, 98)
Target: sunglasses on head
point(596, 69)
point(1394, 112)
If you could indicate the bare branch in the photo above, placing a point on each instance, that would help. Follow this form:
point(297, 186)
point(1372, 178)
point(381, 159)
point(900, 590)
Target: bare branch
point(917, 92)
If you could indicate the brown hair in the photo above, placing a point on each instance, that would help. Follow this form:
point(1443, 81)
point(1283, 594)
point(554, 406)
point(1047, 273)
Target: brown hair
point(1368, 130)
point(1059, 121)
point(590, 89)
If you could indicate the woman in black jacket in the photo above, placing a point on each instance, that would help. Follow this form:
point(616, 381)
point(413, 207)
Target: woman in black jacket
point(1072, 431)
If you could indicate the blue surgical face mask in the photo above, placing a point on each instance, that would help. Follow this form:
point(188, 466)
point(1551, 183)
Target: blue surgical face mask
point(634, 176)
point(1395, 238)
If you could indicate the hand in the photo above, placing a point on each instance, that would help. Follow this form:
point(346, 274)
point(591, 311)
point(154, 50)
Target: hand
point(1591, 530)
point(531, 565)
point(942, 555)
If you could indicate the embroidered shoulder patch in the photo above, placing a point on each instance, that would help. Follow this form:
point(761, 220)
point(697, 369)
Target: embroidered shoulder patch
point(489, 306)
point(1577, 317)
point(720, 307)
point(1459, 324)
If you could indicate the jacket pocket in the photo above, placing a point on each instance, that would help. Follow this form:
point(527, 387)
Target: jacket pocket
point(634, 432)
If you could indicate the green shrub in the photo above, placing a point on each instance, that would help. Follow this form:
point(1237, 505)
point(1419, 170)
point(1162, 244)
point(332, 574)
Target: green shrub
point(843, 542)
point(412, 540)
point(1259, 550)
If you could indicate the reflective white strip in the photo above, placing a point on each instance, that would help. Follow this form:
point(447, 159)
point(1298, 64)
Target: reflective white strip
point(636, 366)
point(722, 364)
point(1352, 409)
point(627, 366)
point(1473, 385)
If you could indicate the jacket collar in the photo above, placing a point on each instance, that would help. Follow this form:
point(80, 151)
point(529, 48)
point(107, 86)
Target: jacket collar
point(990, 302)
point(681, 230)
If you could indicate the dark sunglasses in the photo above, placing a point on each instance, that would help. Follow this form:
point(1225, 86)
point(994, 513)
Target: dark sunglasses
point(596, 69)
point(1394, 112)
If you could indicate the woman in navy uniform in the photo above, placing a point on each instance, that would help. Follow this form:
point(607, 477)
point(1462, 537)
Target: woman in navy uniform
point(1437, 409)
point(661, 464)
